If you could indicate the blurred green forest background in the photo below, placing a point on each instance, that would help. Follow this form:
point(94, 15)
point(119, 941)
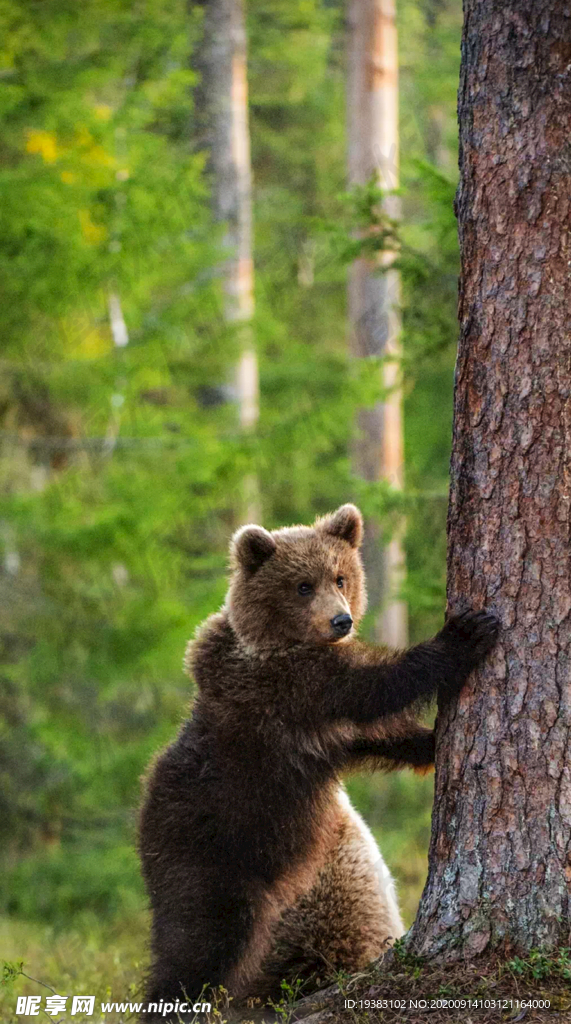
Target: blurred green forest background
point(121, 467)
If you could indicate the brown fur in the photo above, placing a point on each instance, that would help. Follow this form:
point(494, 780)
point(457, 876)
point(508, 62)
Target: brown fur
point(344, 919)
point(255, 863)
point(264, 607)
point(249, 974)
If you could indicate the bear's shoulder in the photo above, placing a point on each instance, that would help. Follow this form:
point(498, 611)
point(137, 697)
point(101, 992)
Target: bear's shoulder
point(213, 644)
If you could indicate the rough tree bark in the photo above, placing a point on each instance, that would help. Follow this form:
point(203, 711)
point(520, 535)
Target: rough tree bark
point(374, 298)
point(500, 856)
point(222, 114)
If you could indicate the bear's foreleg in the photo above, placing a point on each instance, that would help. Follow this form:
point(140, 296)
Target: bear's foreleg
point(414, 751)
point(366, 684)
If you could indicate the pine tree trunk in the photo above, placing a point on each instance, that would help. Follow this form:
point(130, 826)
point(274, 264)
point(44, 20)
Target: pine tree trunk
point(500, 857)
point(374, 298)
point(222, 108)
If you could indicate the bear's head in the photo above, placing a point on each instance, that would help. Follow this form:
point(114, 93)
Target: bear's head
point(298, 585)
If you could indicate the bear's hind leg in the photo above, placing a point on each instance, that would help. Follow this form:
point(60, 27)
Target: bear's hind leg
point(346, 920)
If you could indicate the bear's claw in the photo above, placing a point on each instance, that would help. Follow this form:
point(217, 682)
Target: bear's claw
point(476, 630)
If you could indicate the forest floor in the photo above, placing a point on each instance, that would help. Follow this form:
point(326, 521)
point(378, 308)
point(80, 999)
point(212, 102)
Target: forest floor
point(404, 990)
point(109, 961)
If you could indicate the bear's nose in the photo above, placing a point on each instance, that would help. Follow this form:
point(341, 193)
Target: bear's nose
point(341, 624)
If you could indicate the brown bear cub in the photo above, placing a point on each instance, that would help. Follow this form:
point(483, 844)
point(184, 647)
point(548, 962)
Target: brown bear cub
point(257, 866)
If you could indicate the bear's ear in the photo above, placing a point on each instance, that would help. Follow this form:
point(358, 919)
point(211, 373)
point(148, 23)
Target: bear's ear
point(346, 523)
point(251, 546)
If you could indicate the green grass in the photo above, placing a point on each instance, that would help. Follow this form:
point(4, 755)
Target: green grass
point(87, 958)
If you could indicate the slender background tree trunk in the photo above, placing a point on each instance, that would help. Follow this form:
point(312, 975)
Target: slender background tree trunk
point(374, 298)
point(222, 107)
point(436, 149)
point(500, 857)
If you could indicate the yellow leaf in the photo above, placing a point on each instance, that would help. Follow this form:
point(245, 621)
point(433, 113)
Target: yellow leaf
point(97, 155)
point(44, 143)
point(83, 137)
point(84, 339)
point(93, 233)
point(94, 343)
point(102, 111)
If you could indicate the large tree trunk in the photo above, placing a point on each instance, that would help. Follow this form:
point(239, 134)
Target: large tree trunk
point(500, 857)
point(222, 109)
point(374, 298)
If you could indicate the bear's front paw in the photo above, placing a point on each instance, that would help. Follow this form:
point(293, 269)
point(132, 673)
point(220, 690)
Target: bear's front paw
point(473, 634)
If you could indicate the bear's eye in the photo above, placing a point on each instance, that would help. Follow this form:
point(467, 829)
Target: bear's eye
point(304, 589)
point(340, 582)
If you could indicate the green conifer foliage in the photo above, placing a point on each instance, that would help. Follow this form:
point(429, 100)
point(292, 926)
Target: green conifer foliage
point(121, 464)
